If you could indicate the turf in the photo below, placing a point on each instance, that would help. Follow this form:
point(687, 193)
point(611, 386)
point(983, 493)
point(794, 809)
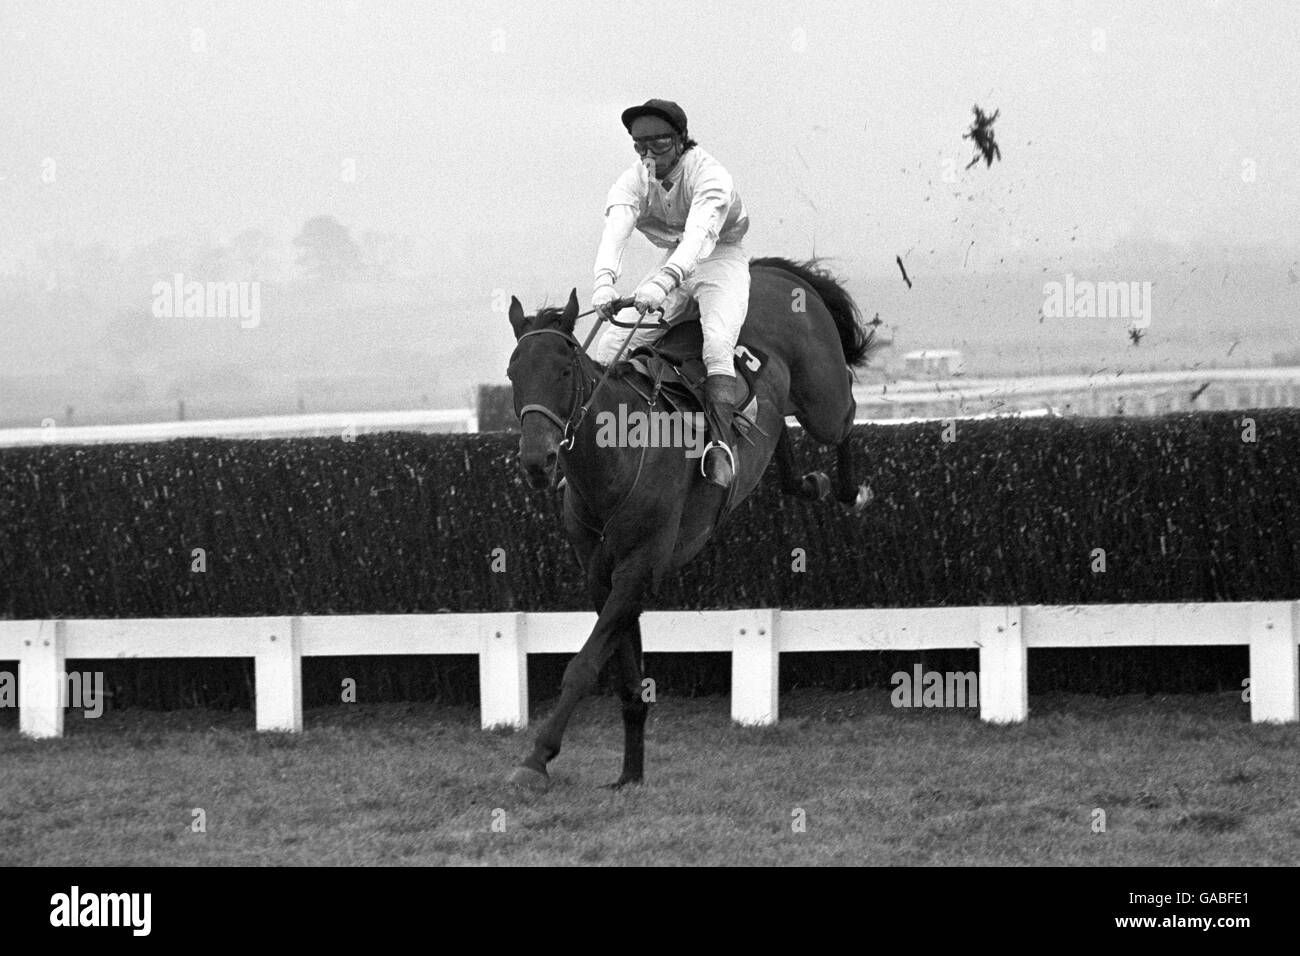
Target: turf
point(1183, 780)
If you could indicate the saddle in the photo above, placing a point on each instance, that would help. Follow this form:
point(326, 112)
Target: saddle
point(671, 369)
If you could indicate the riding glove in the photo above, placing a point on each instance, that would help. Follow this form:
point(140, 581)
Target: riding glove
point(650, 297)
point(603, 298)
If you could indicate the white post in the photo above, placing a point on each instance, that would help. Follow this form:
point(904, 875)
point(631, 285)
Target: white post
point(503, 671)
point(1274, 680)
point(1004, 666)
point(756, 669)
point(42, 660)
point(278, 675)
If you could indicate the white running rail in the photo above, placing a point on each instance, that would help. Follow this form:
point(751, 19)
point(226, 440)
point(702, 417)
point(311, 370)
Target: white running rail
point(1003, 636)
point(328, 424)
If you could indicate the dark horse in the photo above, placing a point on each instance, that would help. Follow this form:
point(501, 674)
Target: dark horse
point(634, 514)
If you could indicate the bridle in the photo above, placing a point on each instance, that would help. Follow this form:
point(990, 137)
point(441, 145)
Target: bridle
point(569, 426)
point(581, 400)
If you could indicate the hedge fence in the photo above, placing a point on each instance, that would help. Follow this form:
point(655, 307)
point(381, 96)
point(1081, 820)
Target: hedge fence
point(1188, 507)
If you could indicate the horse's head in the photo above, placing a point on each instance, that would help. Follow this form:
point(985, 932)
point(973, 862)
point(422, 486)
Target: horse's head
point(546, 375)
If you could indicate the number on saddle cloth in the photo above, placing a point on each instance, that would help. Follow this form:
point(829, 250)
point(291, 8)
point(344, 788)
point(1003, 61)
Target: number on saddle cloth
point(672, 366)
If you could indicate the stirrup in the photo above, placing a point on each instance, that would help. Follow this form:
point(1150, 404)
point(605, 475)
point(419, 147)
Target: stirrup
point(730, 457)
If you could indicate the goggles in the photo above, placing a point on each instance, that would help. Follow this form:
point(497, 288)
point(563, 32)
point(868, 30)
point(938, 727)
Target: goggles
point(654, 145)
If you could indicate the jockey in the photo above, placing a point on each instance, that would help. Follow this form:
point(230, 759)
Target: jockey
point(684, 202)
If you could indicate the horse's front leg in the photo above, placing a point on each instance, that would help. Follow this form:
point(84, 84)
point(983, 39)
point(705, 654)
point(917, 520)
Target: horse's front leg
point(629, 583)
point(635, 706)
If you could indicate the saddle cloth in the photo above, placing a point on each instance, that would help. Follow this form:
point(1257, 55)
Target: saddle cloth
point(671, 368)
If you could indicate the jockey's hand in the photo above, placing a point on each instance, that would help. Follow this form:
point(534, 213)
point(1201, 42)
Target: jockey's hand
point(602, 300)
point(650, 297)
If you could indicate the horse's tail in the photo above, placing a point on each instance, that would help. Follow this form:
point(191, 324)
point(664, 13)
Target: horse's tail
point(859, 343)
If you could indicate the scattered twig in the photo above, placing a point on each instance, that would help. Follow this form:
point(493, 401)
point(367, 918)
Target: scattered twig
point(899, 260)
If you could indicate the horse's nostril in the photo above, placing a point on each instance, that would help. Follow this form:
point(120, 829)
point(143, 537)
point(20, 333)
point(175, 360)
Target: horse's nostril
point(550, 460)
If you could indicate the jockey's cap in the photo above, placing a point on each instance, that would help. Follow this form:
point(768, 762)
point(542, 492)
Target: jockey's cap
point(664, 109)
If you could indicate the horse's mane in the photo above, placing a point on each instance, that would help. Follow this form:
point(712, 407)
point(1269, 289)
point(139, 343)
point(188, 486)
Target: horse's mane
point(858, 342)
point(547, 315)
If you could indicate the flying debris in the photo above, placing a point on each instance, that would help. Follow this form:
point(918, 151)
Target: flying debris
point(981, 133)
point(1136, 334)
point(1197, 394)
point(899, 260)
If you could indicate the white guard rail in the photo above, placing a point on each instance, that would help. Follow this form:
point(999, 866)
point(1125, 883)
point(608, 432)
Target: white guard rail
point(754, 638)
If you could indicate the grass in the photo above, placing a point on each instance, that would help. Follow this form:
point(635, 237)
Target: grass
point(1183, 781)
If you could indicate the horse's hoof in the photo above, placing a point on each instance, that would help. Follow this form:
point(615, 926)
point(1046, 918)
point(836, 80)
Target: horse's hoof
point(864, 498)
point(529, 779)
point(622, 782)
point(816, 485)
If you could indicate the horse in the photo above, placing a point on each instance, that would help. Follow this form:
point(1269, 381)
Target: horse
point(635, 514)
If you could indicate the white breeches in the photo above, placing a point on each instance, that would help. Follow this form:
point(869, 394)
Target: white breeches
point(720, 284)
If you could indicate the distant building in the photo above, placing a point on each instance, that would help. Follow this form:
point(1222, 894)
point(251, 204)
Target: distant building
point(1287, 359)
point(933, 363)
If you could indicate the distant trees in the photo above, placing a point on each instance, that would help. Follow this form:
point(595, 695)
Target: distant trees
point(328, 250)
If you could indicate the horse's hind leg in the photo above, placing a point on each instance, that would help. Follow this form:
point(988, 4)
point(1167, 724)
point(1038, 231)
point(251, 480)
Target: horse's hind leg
point(828, 417)
point(635, 707)
point(848, 491)
point(813, 486)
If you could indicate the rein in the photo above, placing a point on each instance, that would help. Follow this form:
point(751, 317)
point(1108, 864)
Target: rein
point(622, 303)
point(569, 427)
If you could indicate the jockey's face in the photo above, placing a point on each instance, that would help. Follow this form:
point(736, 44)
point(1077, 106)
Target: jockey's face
point(651, 134)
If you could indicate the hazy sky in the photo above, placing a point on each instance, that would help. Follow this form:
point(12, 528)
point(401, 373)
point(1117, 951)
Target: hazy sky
point(490, 132)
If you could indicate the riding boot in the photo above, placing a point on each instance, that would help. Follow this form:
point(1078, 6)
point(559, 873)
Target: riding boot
point(718, 465)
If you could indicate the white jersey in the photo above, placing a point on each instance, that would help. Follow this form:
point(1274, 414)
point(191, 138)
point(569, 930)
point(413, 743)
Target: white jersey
point(697, 187)
point(695, 207)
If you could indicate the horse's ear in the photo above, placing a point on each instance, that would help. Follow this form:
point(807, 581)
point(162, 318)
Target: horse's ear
point(570, 316)
point(517, 318)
